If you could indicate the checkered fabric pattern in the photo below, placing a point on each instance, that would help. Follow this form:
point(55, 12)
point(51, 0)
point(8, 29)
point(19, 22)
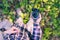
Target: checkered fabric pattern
point(6, 24)
point(36, 32)
point(21, 36)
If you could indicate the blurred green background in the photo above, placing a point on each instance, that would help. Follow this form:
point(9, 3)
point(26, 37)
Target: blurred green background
point(49, 9)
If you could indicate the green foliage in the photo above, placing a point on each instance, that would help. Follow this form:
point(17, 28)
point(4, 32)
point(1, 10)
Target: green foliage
point(49, 9)
point(47, 32)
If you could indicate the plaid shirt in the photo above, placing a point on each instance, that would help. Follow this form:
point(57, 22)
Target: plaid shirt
point(24, 36)
point(36, 32)
point(6, 24)
point(21, 36)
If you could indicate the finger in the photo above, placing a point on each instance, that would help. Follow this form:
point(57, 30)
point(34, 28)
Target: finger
point(9, 32)
point(15, 28)
point(13, 31)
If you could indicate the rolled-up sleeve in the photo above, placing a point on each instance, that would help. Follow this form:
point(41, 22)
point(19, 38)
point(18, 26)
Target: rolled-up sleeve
point(37, 32)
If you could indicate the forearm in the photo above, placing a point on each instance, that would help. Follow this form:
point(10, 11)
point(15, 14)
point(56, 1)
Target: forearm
point(37, 31)
point(40, 30)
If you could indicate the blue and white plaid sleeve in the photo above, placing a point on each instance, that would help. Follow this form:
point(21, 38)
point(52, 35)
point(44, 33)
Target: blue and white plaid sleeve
point(36, 31)
point(6, 36)
point(14, 36)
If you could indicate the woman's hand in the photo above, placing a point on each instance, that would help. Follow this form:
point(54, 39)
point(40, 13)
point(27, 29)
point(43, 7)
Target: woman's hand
point(12, 30)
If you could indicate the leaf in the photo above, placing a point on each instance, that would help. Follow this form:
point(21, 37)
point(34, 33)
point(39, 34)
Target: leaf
point(45, 0)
